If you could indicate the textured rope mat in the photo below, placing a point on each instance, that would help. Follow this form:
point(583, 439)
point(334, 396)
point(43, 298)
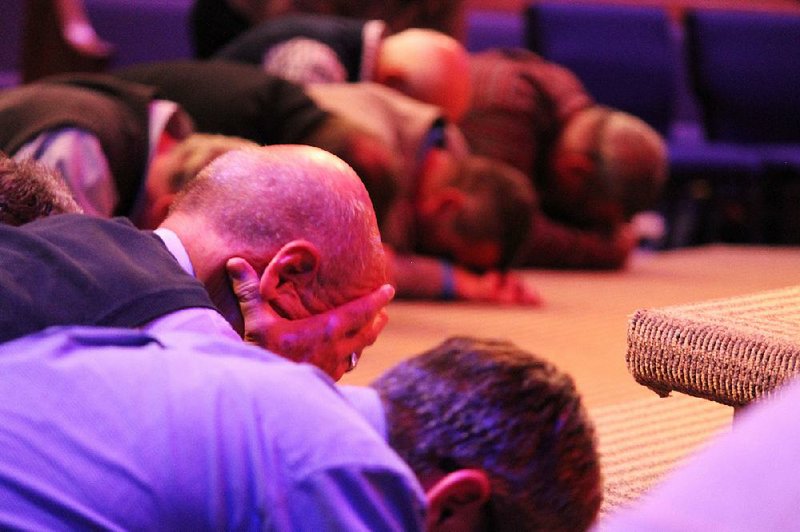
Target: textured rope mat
point(641, 441)
point(732, 351)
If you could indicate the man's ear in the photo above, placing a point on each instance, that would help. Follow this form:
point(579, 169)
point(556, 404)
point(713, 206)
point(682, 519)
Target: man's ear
point(293, 268)
point(456, 501)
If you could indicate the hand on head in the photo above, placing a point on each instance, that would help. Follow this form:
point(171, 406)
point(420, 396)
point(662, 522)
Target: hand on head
point(301, 230)
point(326, 340)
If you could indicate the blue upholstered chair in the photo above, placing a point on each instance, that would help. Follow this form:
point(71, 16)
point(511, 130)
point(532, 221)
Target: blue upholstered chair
point(633, 58)
point(625, 55)
point(745, 67)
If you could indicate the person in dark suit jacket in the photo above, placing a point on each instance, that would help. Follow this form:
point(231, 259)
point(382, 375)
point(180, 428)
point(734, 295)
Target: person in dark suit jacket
point(113, 141)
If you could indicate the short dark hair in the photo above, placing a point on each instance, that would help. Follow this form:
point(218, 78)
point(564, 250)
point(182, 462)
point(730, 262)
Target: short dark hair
point(505, 208)
point(30, 190)
point(630, 157)
point(486, 404)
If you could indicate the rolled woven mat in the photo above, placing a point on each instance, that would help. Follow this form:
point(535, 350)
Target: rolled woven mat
point(732, 350)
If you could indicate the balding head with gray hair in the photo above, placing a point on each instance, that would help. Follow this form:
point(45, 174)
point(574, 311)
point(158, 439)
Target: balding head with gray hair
point(299, 215)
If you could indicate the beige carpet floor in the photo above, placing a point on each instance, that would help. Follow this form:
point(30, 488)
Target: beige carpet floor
point(582, 328)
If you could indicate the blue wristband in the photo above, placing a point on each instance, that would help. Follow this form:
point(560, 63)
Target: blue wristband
point(448, 282)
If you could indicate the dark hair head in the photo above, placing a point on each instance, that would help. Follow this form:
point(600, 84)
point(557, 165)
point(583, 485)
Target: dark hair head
point(29, 190)
point(629, 157)
point(505, 207)
point(486, 404)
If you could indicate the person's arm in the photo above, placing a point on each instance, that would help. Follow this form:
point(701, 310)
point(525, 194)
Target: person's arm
point(423, 277)
point(323, 339)
point(553, 245)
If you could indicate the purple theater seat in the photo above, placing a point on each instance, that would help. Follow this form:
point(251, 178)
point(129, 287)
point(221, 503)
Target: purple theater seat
point(494, 29)
point(142, 30)
point(625, 55)
point(745, 66)
point(11, 22)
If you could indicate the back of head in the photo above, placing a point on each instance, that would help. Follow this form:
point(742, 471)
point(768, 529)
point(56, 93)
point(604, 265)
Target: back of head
point(29, 190)
point(633, 161)
point(429, 66)
point(628, 158)
point(484, 404)
point(259, 199)
point(503, 206)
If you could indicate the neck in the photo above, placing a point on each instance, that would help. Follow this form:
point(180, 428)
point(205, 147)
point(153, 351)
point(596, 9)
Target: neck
point(208, 253)
point(221, 294)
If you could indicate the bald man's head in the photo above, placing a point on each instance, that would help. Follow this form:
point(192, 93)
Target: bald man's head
point(427, 65)
point(259, 202)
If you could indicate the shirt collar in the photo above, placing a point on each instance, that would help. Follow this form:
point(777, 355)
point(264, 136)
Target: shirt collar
point(372, 36)
point(175, 246)
point(165, 115)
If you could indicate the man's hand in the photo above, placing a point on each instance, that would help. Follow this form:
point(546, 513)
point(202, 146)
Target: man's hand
point(495, 287)
point(327, 340)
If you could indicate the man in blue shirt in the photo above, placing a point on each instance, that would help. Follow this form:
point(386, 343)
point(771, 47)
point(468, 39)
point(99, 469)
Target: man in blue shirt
point(121, 429)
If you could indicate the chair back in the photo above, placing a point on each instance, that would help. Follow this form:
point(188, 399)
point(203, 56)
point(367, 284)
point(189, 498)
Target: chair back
point(745, 68)
point(625, 55)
